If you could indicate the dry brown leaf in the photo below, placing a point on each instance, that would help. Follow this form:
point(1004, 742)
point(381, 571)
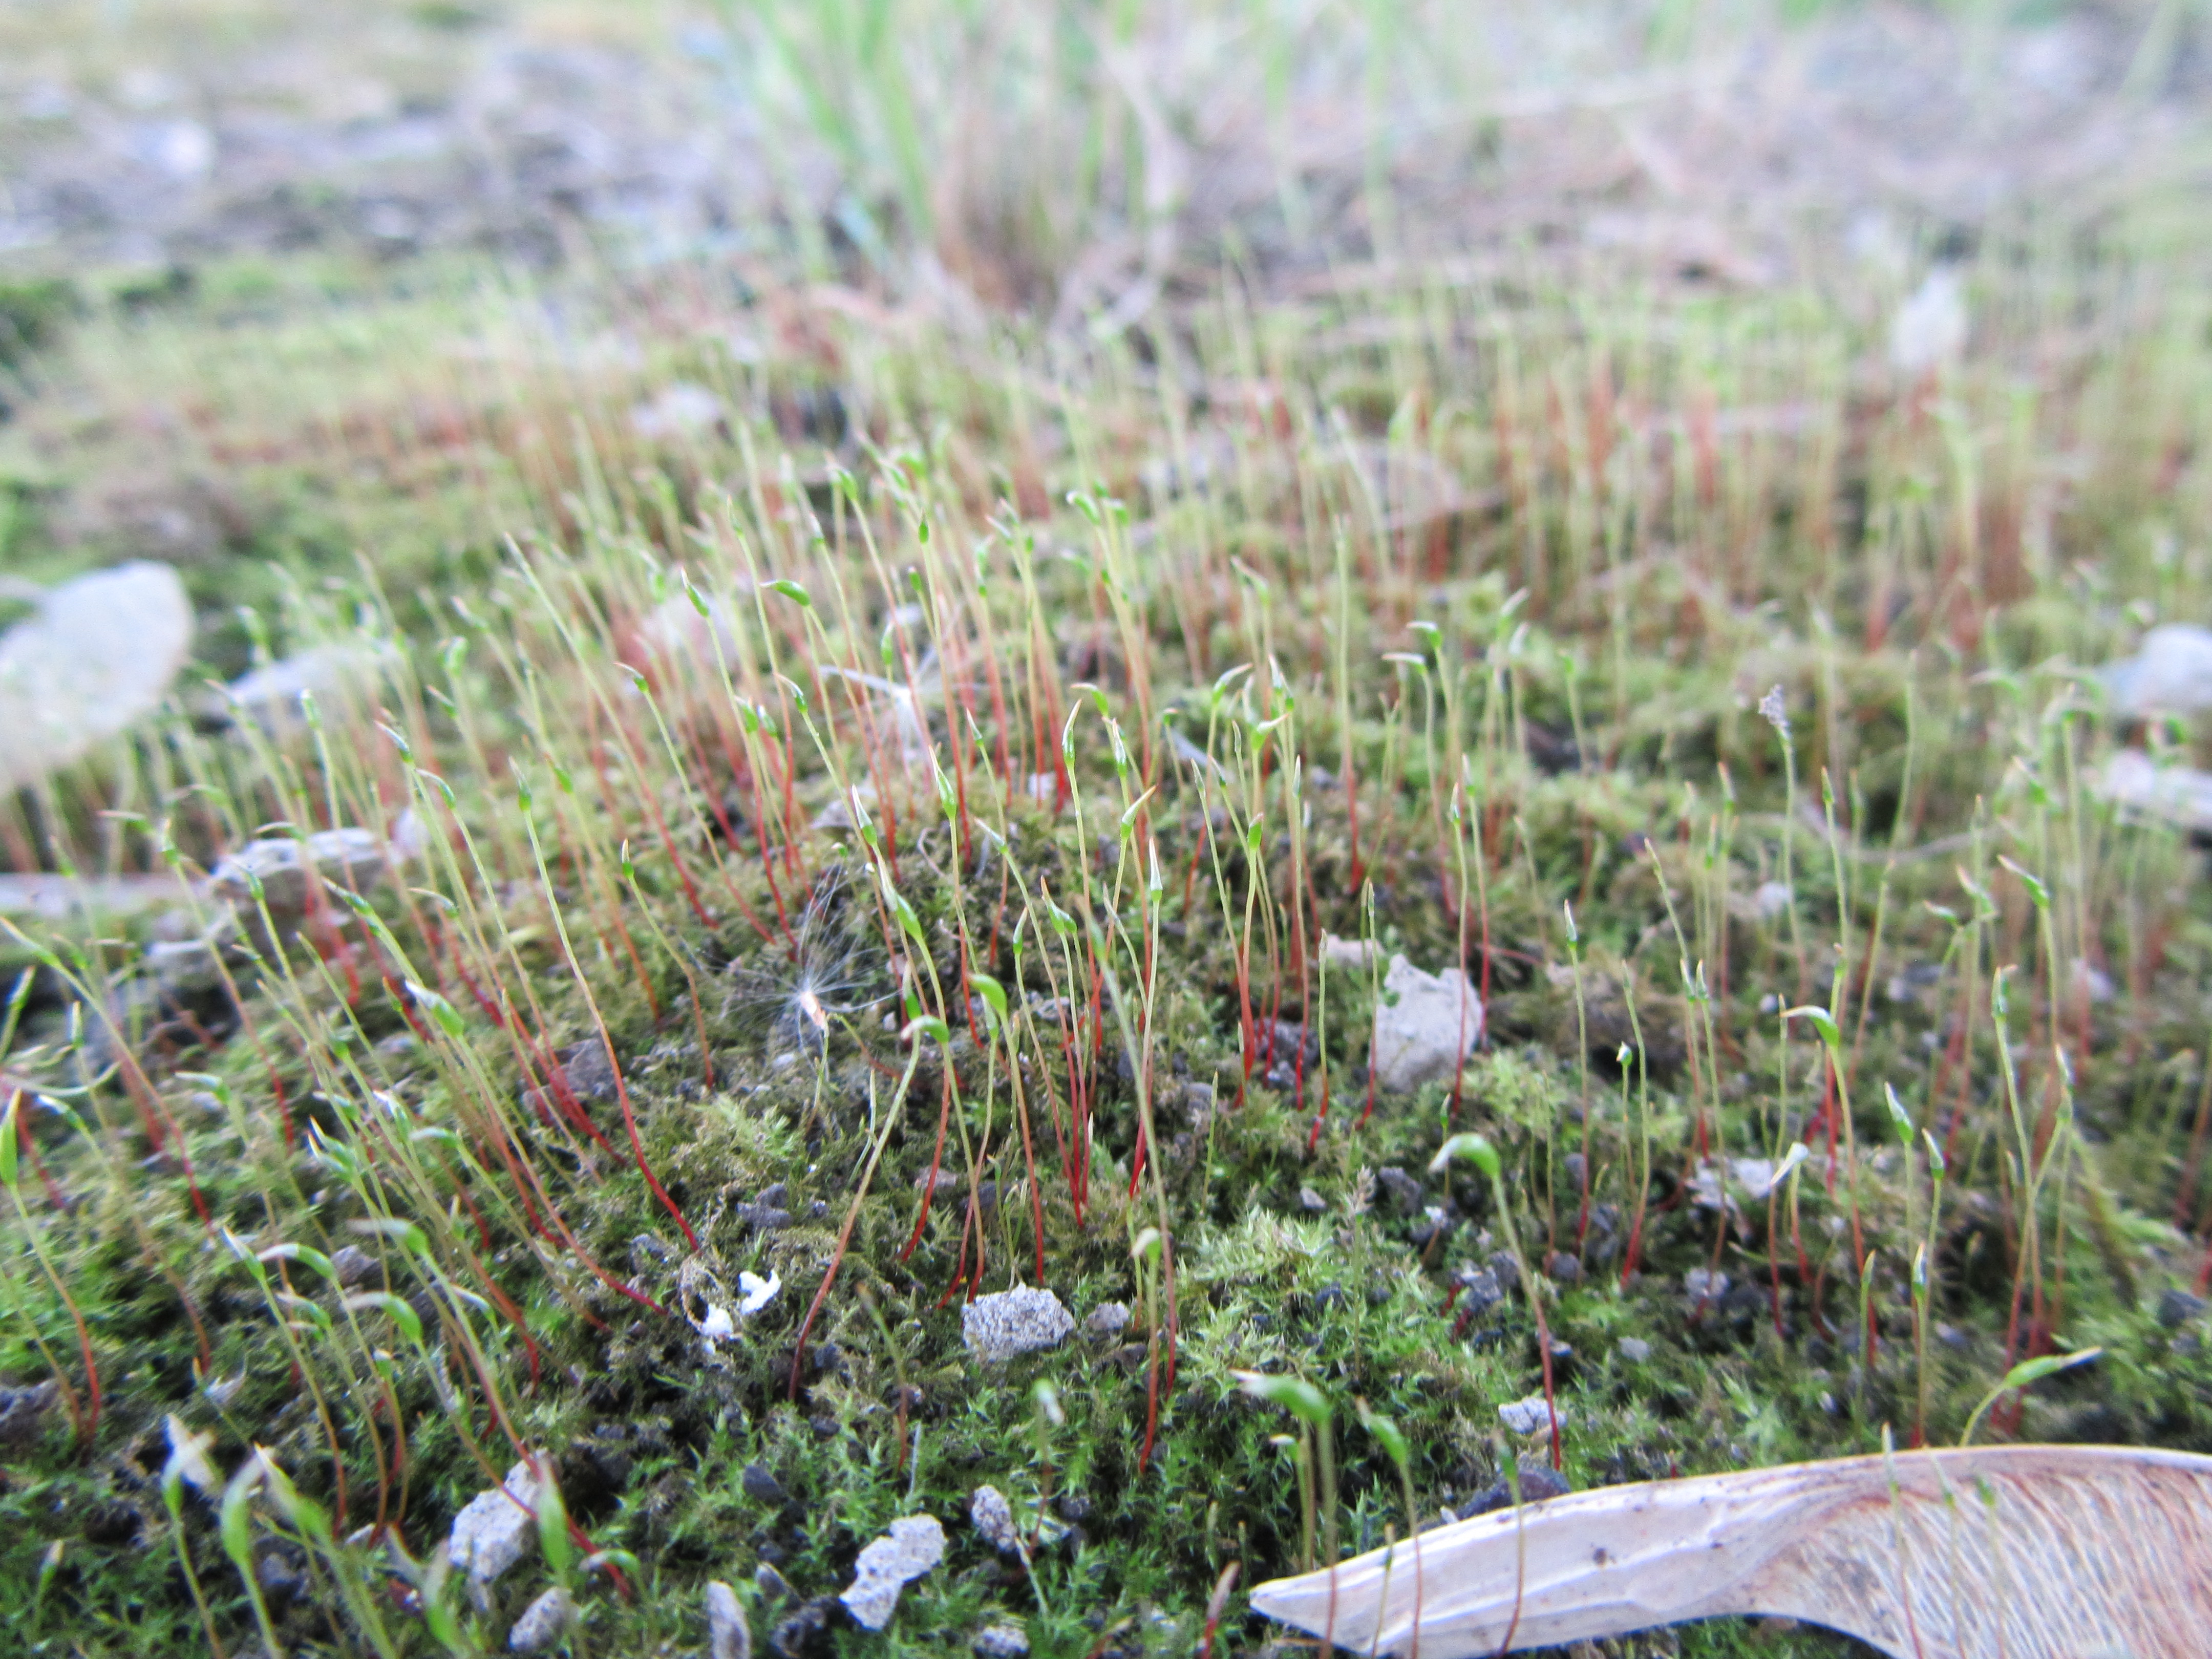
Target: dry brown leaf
point(2024, 1552)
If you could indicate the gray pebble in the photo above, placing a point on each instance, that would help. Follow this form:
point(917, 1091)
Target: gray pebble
point(542, 1622)
point(1025, 1320)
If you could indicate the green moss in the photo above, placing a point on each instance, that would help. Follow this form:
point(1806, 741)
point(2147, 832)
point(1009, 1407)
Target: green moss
point(596, 803)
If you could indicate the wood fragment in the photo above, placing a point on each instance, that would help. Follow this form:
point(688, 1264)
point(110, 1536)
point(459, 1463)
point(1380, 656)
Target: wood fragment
point(2022, 1552)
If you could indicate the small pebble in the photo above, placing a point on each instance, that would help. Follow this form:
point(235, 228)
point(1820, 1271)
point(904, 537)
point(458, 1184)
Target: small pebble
point(795, 1633)
point(1002, 1641)
point(95, 657)
point(760, 1485)
point(1481, 1288)
point(1529, 1416)
point(23, 1412)
point(915, 1544)
point(494, 1531)
point(1108, 1320)
point(1706, 1284)
point(728, 1635)
point(542, 1622)
point(1538, 1481)
point(1402, 1187)
point(1427, 1028)
point(2176, 1308)
point(994, 1518)
point(281, 1579)
point(284, 869)
point(1635, 1350)
point(1025, 1320)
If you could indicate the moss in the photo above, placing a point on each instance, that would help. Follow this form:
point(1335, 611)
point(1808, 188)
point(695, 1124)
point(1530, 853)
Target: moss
point(607, 850)
point(32, 316)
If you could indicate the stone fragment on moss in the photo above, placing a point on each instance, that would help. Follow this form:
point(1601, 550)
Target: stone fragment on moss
point(493, 1532)
point(994, 1518)
point(544, 1622)
point(913, 1544)
point(1025, 1320)
point(1425, 1026)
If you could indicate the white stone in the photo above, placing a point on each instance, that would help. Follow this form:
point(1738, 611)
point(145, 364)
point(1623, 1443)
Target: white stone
point(543, 1622)
point(2090, 978)
point(352, 858)
point(1025, 1320)
point(848, 811)
point(1529, 1416)
point(1705, 1284)
point(2180, 794)
point(2169, 673)
point(994, 1518)
point(915, 1544)
point(728, 1635)
point(1755, 1174)
point(916, 749)
point(98, 656)
point(677, 627)
point(270, 696)
point(55, 897)
point(1431, 1029)
point(411, 838)
point(754, 1293)
point(1716, 1184)
point(1002, 1641)
point(183, 149)
point(1929, 329)
point(494, 1532)
point(1348, 953)
point(678, 407)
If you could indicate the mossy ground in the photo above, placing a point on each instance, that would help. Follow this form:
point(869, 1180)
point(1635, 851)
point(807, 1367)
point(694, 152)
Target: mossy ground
point(1519, 559)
